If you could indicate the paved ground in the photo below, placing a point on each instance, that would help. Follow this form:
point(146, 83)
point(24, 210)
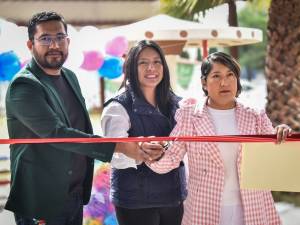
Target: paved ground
point(289, 214)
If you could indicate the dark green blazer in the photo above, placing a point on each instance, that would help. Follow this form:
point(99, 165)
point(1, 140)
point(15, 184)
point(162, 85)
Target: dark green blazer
point(40, 173)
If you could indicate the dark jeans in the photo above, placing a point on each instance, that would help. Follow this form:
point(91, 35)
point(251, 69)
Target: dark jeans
point(71, 214)
point(150, 216)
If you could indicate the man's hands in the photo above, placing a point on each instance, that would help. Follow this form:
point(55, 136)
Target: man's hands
point(282, 131)
point(142, 151)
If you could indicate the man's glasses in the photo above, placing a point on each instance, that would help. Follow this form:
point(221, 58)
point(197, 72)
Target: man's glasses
point(48, 39)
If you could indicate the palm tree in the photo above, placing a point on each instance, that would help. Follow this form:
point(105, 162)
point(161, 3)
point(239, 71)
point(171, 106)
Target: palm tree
point(282, 69)
point(283, 63)
point(192, 9)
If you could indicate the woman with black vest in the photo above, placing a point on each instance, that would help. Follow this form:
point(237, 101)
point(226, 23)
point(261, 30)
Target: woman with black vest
point(145, 107)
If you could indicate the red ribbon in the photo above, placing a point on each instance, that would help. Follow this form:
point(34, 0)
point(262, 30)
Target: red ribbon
point(226, 138)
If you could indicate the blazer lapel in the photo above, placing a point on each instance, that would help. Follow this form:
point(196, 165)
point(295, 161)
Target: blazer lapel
point(79, 97)
point(241, 129)
point(205, 127)
point(74, 88)
point(36, 71)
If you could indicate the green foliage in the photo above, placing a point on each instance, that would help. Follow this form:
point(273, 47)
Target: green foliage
point(290, 197)
point(253, 56)
point(184, 54)
point(111, 85)
point(188, 9)
point(212, 50)
point(261, 4)
point(199, 55)
point(184, 74)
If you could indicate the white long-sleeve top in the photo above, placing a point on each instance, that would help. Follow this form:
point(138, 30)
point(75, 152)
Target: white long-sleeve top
point(115, 122)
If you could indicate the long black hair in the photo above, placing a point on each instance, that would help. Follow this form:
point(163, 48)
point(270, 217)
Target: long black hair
point(163, 90)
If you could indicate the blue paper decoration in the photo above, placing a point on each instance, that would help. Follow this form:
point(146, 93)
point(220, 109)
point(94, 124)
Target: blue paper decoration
point(111, 68)
point(9, 65)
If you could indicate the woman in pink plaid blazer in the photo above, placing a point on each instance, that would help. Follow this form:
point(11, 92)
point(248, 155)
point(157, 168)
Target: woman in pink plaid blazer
point(214, 195)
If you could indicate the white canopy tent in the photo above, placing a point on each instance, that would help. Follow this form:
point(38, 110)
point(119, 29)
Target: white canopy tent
point(173, 34)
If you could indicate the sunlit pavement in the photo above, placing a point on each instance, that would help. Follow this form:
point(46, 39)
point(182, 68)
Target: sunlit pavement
point(289, 214)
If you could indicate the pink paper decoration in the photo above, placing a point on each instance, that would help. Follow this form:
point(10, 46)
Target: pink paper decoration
point(117, 46)
point(93, 60)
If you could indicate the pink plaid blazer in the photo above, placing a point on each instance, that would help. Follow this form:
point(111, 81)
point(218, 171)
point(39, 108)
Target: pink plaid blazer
point(206, 170)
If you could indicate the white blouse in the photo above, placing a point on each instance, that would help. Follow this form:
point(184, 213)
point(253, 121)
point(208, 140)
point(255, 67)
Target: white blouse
point(115, 122)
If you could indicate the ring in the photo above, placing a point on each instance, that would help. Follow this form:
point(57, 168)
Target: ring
point(140, 144)
point(166, 146)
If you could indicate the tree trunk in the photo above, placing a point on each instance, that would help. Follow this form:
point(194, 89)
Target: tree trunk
point(232, 21)
point(283, 71)
point(283, 63)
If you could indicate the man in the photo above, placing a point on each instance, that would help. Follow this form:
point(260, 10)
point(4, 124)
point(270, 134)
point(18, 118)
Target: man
point(50, 183)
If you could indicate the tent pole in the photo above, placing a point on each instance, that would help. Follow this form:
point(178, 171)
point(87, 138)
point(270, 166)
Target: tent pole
point(102, 93)
point(205, 48)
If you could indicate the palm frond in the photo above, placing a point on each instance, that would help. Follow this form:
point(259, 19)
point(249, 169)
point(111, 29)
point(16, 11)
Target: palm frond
point(187, 9)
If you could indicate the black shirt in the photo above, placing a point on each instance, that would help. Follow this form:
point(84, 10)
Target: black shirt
point(76, 117)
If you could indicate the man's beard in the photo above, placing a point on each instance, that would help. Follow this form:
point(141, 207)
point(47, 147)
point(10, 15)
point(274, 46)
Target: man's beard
point(45, 62)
